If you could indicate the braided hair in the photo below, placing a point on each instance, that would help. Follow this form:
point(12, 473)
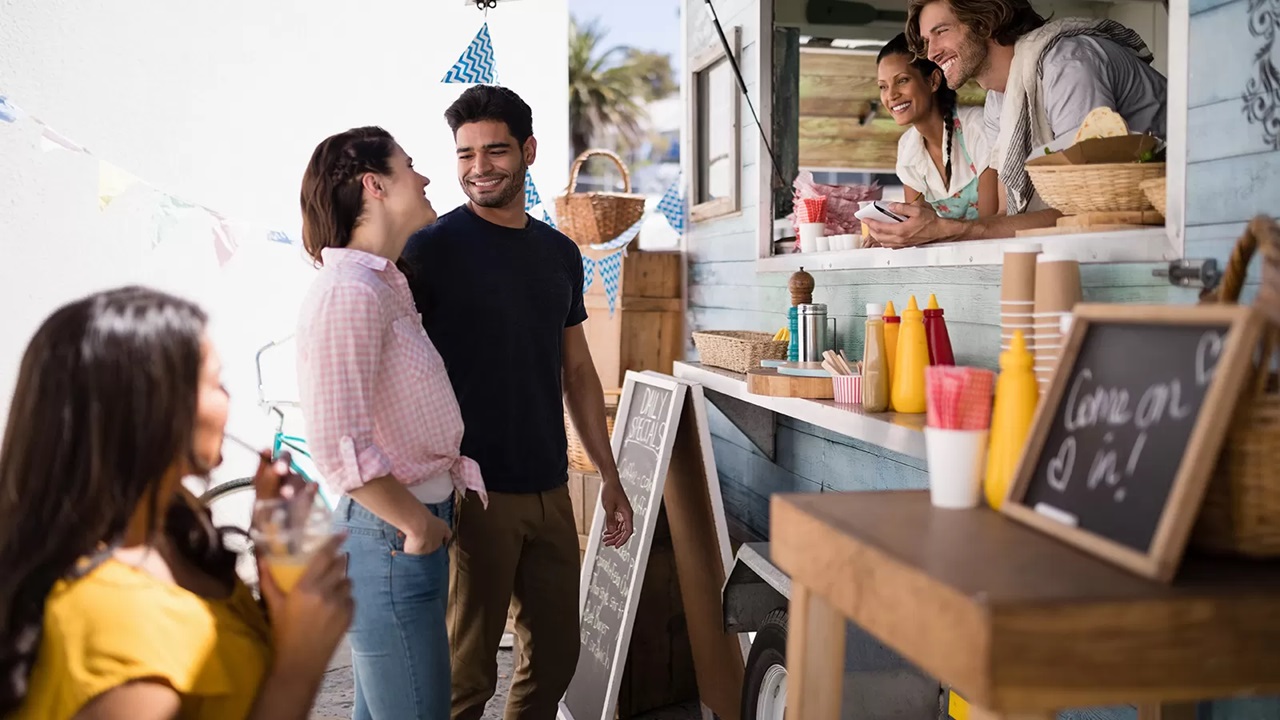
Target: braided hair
point(332, 197)
point(944, 98)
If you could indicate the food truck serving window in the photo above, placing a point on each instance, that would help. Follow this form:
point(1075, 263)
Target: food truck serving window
point(822, 101)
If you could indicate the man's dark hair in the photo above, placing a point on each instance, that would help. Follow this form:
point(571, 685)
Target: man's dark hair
point(1001, 20)
point(491, 102)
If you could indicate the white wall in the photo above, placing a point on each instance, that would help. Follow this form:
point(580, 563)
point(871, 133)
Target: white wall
point(221, 104)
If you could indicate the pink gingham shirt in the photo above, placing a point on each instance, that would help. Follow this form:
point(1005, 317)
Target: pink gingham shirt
point(375, 394)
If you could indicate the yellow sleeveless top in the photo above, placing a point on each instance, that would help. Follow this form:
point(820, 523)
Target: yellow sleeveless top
point(118, 624)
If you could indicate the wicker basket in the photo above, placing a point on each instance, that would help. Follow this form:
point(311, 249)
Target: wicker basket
point(737, 350)
point(592, 218)
point(1157, 192)
point(578, 458)
point(1241, 510)
point(1111, 187)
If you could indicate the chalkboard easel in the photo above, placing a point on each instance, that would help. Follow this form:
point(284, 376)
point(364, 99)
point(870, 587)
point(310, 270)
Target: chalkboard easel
point(662, 446)
point(1126, 438)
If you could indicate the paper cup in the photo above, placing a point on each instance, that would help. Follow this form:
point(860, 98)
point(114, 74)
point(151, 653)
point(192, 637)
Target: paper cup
point(1057, 288)
point(847, 389)
point(812, 231)
point(1018, 274)
point(824, 244)
point(956, 460)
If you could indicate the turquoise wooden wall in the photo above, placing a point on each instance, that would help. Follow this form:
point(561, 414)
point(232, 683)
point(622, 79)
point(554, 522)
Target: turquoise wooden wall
point(1233, 174)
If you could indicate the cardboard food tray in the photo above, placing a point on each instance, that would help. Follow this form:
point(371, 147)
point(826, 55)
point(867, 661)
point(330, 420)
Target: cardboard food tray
point(1100, 151)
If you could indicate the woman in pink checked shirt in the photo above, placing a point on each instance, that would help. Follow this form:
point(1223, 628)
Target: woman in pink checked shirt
point(382, 421)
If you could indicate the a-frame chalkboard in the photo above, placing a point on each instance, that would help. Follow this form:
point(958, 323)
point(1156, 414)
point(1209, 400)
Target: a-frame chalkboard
point(662, 447)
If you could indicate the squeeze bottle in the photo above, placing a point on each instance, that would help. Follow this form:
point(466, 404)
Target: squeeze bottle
point(907, 394)
point(891, 325)
point(875, 368)
point(1016, 395)
point(935, 330)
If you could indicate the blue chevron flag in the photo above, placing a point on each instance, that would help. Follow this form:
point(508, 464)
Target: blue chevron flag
point(475, 66)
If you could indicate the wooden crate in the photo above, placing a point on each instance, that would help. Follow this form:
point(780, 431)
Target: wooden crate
point(645, 330)
point(584, 489)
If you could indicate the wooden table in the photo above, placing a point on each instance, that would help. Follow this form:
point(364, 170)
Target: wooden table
point(1016, 622)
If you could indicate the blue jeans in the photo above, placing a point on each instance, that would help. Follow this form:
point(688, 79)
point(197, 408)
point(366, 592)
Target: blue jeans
point(399, 645)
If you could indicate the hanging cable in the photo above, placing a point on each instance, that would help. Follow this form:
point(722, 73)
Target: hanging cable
point(742, 84)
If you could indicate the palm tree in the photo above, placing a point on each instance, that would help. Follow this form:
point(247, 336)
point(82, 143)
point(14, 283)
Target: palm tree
point(606, 88)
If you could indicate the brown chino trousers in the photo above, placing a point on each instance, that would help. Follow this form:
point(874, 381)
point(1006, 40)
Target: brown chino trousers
point(520, 552)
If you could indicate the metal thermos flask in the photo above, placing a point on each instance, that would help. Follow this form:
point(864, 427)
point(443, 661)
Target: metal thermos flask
point(812, 329)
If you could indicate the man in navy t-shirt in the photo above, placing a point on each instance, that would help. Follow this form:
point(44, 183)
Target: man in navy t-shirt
point(501, 297)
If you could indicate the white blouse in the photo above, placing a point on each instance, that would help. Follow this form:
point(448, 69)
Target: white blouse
point(917, 171)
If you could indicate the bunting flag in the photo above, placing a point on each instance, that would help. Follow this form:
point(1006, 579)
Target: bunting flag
point(546, 218)
point(622, 240)
point(476, 65)
point(8, 113)
point(588, 273)
point(531, 197)
point(224, 241)
point(610, 269)
point(674, 208)
point(112, 183)
point(168, 211)
point(51, 140)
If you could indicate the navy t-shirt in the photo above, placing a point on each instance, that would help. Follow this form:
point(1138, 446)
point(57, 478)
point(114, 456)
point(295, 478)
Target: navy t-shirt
point(496, 301)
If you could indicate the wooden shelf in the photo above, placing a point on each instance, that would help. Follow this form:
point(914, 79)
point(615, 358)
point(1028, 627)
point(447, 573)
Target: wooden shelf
point(899, 433)
point(1014, 620)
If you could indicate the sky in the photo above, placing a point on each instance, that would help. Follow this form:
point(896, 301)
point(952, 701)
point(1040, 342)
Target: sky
point(645, 24)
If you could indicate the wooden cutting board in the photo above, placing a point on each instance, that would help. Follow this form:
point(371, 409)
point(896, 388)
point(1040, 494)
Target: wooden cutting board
point(1094, 219)
point(1068, 230)
point(767, 381)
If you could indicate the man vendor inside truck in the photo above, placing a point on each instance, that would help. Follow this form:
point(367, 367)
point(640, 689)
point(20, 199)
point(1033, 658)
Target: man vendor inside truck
point(1042, 79)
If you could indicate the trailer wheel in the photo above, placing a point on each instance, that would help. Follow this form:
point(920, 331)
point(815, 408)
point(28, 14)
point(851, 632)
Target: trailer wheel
point(764, 692)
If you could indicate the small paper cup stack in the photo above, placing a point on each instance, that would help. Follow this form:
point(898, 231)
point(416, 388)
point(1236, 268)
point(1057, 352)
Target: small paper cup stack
point(957, 423)
point(844, 242)
point(1057, 292)
point(1018, 292)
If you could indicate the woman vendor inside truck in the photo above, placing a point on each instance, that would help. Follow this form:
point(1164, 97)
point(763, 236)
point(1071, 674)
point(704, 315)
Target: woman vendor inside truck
point(943, 155)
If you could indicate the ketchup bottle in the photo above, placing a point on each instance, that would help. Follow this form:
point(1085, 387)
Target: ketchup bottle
point(935, 331)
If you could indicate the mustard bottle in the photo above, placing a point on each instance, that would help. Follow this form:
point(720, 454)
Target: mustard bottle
point(1016, 396)
point(911, 358)
point(891, 325)
point(875, 366)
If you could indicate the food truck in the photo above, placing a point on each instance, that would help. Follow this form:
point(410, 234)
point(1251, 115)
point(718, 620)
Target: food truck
point(807, 105)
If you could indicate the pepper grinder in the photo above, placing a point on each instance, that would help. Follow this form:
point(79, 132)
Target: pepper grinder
point(801, 287)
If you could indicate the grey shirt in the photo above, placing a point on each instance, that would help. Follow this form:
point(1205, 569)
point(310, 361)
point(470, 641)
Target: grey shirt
point(1084, 72)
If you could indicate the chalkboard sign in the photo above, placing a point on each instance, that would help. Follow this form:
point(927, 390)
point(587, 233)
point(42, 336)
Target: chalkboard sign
point(643, 437)
point(1125, 439)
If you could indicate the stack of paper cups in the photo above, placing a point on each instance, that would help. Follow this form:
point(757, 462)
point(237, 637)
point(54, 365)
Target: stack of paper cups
point(1057, 292)
point(1017, 292)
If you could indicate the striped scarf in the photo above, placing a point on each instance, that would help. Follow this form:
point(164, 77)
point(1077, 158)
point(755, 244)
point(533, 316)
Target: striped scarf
point(1023, 121)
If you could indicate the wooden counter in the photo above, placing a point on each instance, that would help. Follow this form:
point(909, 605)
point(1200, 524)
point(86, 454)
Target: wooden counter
point(900, 433)
point(1015, 621)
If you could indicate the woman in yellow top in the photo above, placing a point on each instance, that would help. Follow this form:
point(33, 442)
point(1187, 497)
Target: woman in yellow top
point(117, 597)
